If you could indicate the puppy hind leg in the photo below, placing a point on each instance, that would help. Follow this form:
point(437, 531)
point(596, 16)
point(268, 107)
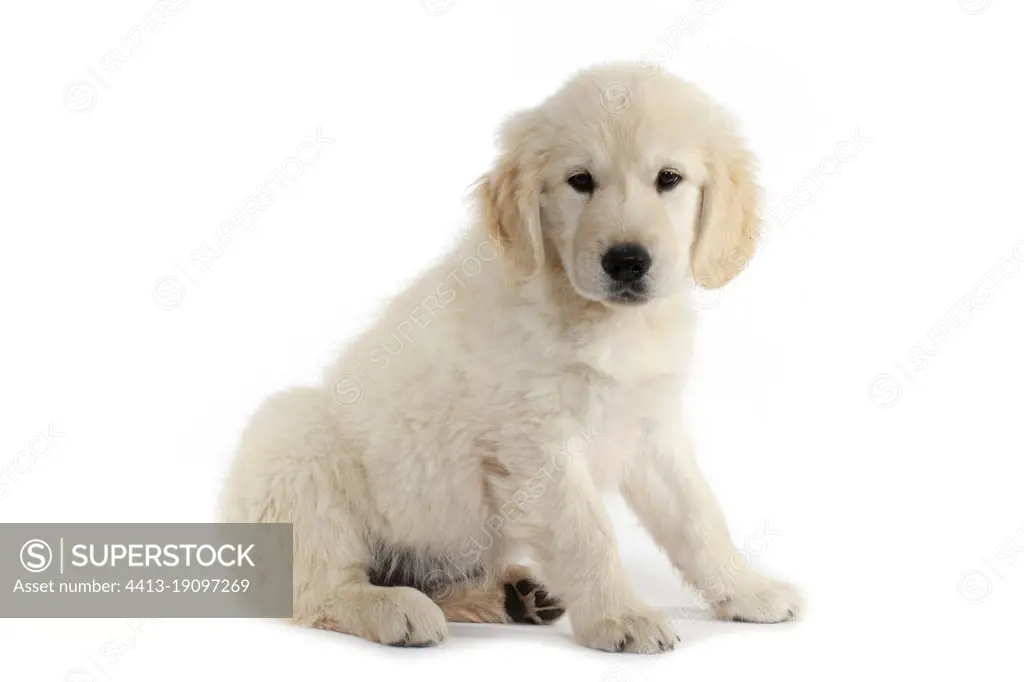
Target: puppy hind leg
point(292, 466)
point(526, 599)
point(518, 597)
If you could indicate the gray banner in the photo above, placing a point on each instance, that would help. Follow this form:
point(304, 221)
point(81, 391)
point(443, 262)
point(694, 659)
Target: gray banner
point(129, 570)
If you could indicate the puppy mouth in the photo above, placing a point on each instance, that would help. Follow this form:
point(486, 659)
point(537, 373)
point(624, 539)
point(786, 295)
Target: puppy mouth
point(632, 293)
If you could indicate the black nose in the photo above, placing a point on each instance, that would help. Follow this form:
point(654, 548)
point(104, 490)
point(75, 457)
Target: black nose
point(626, 262)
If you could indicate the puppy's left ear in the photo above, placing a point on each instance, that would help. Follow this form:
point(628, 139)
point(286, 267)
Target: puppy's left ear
point(727, 231)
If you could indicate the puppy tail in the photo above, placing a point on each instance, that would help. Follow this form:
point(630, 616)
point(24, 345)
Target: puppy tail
point(473, 603)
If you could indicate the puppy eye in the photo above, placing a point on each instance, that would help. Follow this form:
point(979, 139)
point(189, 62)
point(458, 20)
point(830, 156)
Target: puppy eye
point(667, 179)
point(582, 182)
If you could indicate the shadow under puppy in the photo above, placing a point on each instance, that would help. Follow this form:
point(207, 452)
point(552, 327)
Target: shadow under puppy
point(540, 363)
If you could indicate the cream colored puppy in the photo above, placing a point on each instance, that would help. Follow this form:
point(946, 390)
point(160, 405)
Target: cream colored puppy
point(539, 364)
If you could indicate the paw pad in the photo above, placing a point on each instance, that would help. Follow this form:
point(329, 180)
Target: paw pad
point(527, 602)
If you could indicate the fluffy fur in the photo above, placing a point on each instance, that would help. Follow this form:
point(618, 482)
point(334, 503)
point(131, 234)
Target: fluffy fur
point(483, 415)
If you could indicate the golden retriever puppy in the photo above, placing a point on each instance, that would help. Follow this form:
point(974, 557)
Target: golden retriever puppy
point(540, 363)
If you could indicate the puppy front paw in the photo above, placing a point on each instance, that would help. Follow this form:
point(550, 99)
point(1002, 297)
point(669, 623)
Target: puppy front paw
point(758, 599)
point(636, 632)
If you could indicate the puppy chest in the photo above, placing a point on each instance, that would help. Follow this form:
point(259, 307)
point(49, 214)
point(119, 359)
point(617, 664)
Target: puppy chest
point(613, 431)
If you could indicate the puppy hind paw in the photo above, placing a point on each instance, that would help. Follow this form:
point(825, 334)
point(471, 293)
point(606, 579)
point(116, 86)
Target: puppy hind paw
point(526, 601)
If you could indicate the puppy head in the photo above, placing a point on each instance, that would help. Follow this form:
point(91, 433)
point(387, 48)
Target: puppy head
point(627, 182)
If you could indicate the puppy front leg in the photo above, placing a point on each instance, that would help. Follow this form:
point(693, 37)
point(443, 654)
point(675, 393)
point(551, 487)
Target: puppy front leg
point(566, 524)
point(671, 497)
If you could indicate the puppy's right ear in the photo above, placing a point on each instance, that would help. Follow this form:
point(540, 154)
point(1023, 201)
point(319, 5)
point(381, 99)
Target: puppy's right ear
point(509, 197)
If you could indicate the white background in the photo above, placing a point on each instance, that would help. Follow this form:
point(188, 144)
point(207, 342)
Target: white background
point(858, 416)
